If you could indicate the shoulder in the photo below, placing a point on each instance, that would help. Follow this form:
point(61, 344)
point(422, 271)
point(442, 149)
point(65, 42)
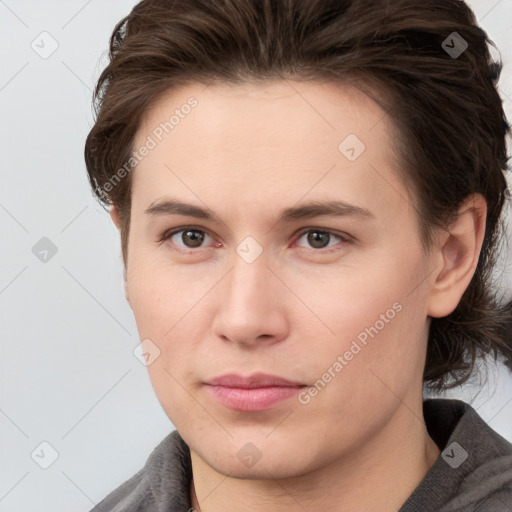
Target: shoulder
point(482, 498)
point(132, 495)
point(473, 472)
point(478, 460)
point(162, 484)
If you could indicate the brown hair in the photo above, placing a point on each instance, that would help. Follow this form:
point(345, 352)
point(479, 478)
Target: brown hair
point(428, 57)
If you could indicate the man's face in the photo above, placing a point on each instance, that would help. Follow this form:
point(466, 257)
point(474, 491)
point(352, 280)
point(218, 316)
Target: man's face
point(335, 304)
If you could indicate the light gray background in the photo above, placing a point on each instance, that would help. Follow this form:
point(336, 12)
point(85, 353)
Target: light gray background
point(68, 375)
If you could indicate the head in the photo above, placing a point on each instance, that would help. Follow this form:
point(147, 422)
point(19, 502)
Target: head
point(248, 113)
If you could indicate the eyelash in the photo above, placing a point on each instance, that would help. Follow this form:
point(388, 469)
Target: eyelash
point(344, 239)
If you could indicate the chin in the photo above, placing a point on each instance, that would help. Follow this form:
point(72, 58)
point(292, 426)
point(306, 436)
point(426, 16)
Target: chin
point(262, 470)
point(248, 461)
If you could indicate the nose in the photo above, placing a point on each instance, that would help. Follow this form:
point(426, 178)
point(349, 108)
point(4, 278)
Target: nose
point(251, 307)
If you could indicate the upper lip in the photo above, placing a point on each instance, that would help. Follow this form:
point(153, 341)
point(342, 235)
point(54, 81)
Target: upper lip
point(256, 380)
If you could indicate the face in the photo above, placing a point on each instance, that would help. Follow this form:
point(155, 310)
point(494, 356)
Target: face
point(333, 300)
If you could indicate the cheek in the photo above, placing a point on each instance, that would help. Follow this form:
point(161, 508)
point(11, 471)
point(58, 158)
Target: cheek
point(167, 306)
point(373, 326)
point(159, 297)
point(367, 331)
point(353, 303)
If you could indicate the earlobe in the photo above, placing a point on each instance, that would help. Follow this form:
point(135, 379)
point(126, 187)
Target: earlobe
point(125, 285)
point(459, 251)
point(116, 219)
point(115, 216)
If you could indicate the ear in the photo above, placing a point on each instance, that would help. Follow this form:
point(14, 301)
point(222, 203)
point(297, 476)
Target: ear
point(125, 286)
point(457, 252)
point(116, 219)
point(115, 216)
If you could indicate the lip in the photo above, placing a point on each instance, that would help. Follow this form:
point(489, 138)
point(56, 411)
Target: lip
point(257, 392)
point(256, 380)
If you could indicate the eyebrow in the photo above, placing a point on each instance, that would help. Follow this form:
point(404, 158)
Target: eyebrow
point(309, 210)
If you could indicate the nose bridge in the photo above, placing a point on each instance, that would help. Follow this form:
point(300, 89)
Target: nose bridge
point(249, 308)
point(249, 284)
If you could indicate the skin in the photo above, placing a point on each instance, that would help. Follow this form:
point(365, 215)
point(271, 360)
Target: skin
point(247, 152)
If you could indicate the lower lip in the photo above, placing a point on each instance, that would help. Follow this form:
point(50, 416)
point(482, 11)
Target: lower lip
point(254, 399)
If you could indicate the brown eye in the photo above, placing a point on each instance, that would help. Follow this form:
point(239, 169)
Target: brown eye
point(320, 239)
point(185, 238)
point(193, 237)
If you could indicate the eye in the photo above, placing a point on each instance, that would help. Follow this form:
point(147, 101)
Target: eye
point(319, 238)
point(191, 237)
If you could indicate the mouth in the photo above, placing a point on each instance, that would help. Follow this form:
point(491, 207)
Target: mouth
point(257, 392)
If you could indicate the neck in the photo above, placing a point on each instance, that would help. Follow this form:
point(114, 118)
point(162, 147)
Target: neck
point(380, 475)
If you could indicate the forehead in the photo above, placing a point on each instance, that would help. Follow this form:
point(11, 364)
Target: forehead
point(274, 135)
point(254, 113)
